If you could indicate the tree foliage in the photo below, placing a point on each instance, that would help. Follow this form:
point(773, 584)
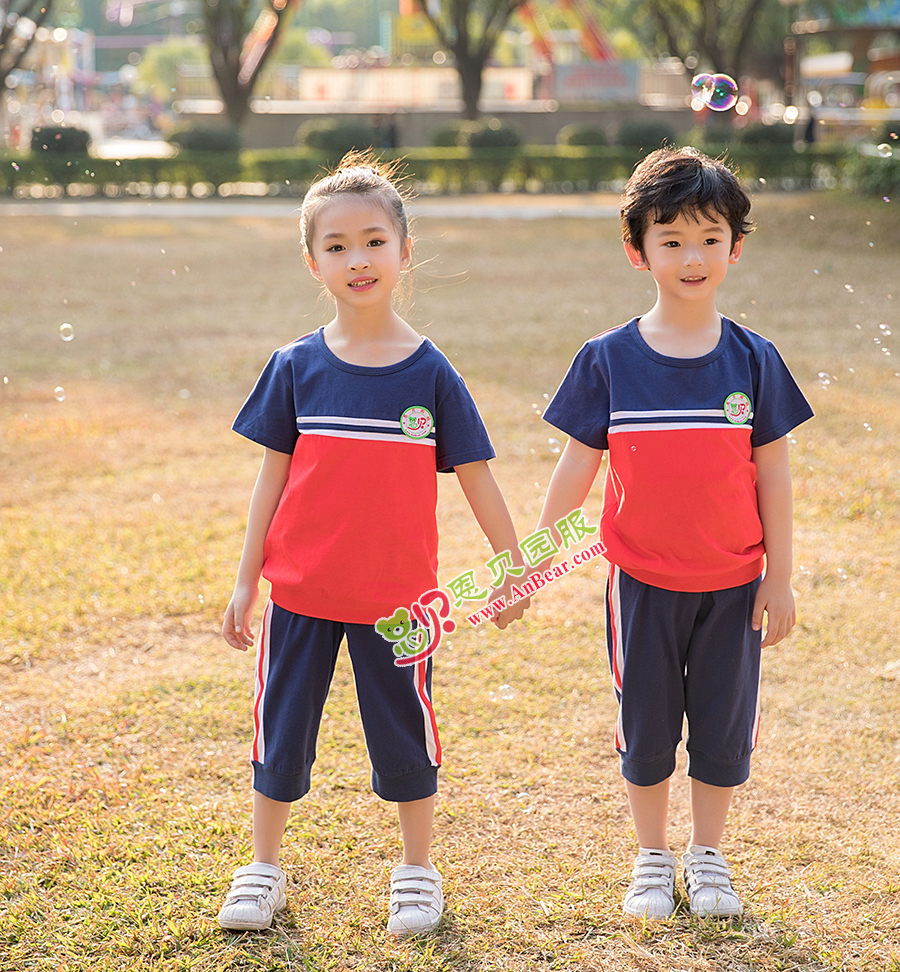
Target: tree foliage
point(470, 30)
point(737, 37)
point(19, 21)
point(240, 37)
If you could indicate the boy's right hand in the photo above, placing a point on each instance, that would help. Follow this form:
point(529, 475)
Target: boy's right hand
point(236, 628)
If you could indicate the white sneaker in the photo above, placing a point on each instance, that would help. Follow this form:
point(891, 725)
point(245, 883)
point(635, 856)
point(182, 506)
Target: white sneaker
point(417, 900)
point(708, 882)
point(652, 890)
point(257, 892)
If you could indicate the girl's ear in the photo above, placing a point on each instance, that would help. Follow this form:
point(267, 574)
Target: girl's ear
point(406, 253)
point(313, 267)
point(635, 257)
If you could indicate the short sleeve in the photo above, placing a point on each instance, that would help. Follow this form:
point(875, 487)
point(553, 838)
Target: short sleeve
point(269, 416)
point(460, 435)
point(580, 407)
point(780, 405)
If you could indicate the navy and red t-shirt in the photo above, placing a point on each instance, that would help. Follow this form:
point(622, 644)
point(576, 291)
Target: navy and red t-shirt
point(354, 536)
point(679, 506)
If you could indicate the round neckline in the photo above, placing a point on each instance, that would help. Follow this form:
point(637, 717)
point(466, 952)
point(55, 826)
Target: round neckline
point(673, 362)
point(355, 369)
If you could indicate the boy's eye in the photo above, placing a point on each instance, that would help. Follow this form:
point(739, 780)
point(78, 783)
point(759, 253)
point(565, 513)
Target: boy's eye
point(713, 239)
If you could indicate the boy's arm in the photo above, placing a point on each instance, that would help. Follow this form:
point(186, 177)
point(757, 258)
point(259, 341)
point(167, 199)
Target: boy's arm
point(773, 490)
point(270, 483)
point(569, 485)
point(487, 503)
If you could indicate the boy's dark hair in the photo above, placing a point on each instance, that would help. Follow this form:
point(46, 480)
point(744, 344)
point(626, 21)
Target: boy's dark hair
point(671, 182)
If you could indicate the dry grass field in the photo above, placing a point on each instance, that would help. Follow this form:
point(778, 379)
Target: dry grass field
point(124, 719)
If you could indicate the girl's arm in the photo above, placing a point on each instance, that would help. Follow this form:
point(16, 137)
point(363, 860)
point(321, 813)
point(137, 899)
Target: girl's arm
point(484, 496)
point(273, 475)
point(569, 485)
point(773, 492)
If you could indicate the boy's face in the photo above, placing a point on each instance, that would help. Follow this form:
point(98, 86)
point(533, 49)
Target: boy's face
point(689, 257)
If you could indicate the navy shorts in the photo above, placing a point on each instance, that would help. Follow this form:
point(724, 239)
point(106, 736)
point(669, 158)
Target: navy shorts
point(294, 668)
point(674, 654)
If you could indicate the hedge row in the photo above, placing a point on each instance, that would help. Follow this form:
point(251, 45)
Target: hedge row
point(528, 168)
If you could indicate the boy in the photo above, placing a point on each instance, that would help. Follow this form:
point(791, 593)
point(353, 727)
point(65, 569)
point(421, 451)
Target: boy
point(694, 411)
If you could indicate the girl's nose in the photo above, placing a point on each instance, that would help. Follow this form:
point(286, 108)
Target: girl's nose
point(360, 261)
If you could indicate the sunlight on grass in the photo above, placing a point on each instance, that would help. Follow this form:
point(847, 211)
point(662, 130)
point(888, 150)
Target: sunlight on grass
point(126, 722)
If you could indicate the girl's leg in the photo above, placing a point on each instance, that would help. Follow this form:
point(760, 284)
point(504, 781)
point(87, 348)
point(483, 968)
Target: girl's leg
point(709, 811)
point(416, 826)
point(269, 821)
point(650, 812)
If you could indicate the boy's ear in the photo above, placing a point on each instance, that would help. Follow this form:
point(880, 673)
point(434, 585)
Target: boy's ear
point(635, 257)
point(313, 267)
point(735, 254)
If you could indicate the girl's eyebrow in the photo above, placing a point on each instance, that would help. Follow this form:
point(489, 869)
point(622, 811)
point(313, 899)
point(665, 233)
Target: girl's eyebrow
point(336, 234)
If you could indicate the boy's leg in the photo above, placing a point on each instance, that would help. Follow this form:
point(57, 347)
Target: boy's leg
point(648, 630)
point(650, 812)
point(709, 812)
point(722, 705)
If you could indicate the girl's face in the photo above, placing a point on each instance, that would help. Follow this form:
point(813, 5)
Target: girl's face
point(357, 251)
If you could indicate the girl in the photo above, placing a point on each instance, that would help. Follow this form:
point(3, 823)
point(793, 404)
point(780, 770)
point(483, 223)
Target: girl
point(356, 419)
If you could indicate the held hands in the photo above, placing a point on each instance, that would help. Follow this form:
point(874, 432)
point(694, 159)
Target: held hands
point(236, 628)
point(776, 599)
point(512, 612)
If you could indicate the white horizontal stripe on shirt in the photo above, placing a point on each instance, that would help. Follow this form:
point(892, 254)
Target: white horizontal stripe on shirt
point(373, 436)
point(672, 426)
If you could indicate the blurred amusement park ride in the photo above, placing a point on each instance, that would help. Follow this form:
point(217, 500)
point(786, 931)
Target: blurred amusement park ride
point(89, 75)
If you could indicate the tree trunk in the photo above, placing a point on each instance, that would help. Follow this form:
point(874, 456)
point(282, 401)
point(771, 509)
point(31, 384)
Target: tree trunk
point(470, 77)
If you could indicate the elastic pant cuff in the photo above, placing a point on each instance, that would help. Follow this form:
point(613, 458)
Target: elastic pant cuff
point(403, 789)
point(649, 773)
point(275, 786)
point(706, 770)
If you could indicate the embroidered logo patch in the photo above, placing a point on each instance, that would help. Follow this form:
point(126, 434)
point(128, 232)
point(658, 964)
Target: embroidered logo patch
point(737, 408)
point(416, 422)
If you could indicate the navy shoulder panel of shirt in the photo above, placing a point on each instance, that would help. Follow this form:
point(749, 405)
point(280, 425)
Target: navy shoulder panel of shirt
point(304, 385)
point(618, 372)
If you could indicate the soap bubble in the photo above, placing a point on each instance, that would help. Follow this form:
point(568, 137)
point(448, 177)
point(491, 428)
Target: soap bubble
point(848, 288)
point(59, 393)
point(554, 446)
point(699, 86)
point(884, 329)
point(66, 332)
point(717, 91)
point(824, 378)
point(506, 692)
point(884, 150)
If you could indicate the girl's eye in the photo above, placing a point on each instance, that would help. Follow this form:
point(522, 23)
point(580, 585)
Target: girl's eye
point(375, 243)
point(336, 248)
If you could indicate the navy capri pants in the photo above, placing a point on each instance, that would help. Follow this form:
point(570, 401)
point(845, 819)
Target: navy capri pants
point(678, 653)
point(294, 669)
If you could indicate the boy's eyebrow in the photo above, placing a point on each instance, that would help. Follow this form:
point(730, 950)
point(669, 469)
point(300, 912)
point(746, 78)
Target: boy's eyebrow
point(709, 227)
